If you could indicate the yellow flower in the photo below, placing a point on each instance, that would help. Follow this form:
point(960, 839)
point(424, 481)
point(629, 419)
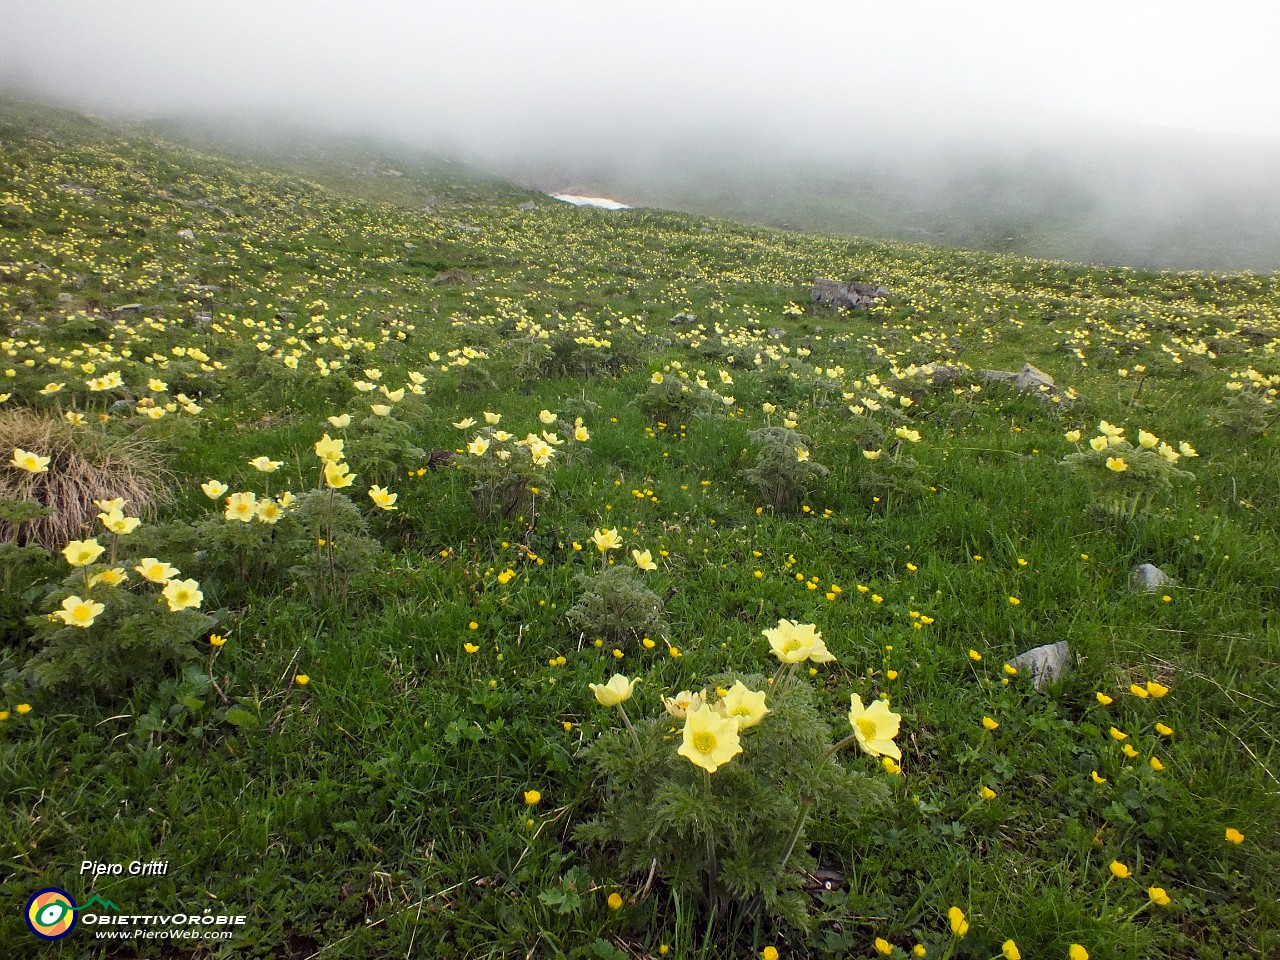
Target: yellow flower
point(1118, 869)
point(385, 500)
point(1148, 441)
point(710, 740)
point(1156, 690)
point(890, 766)
point(268, 511)
point(1159, 896)
point(118, 523)
point(1139, 692)
point(1102, 698)
point(1233, 835)
point(328, 448)
point(987, 793)
point(213, 489)
point(532, 797)
point(919, 951)
point(471, 648)
point(183, 595)
point(871, 454)
point(23, 709)
point(1077, 952)
point(883, 946)
point(380, 409)
point(606, 539)
point(797, 642)
point(802, 454)
point(478, 446)
point(1117, 734)
point(1014, 601)
point(156, 571)
point(1097, 778)
point(1187, 449)
point(1098, 444)
point(1009, 950)
point(28, 461)
point(656, 378)
point(77, 612)
point(959, 925)
point(302, 679)
point(547, 417)
point(492, 418)
point(242, 507)
point(989, 724)
point(266, 464)
point(744, 705)
point(974, 655)
point(1164, 730)
point(911, 436)
point(1117, 464)
point(643, 559)
point(875, 727)
point(341, 421)
point(216, 639)
point(1073, 436)
point(616, 691)
point(680, 705)
point(338, 475)
point(1156, 765)
point(615, 901)
point(1129, 751)
point(112, 578)
point(80, 553)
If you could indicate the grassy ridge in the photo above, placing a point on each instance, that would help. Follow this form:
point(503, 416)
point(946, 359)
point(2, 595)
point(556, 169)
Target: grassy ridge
point(379, 809)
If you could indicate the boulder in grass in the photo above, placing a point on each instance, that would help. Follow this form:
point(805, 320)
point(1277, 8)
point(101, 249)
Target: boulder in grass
point(1148, 578)
point(849, 295)
point(1047, 664)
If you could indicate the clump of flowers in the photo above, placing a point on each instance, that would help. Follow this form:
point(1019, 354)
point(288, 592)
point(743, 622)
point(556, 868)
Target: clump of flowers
point(785, 472)
point(508, 472)
point(617, 607)
point(714, 792)
point(1125, 474)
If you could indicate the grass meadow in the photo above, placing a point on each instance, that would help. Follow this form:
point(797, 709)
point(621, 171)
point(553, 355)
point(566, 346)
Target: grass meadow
point(348, 695)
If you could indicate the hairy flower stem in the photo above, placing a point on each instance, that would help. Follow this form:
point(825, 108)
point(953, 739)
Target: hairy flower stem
point(796, 830)
point(712, 870)
point(627, 720)
point(833, 750)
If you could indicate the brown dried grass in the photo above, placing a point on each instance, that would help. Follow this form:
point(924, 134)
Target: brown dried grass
point(84, 465)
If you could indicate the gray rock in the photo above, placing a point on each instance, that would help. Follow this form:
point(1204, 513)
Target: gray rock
point(1030, 378)
point(1046, 664)
point(128, 310)
point(77, 188)
point(201, 318)
point(208, 288)
point(187, 234)
point(1148, 578)
point(528, 205)
point(681, 319)
point(849, 295)
point(776, 333)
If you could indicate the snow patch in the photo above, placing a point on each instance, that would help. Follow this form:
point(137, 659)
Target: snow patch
point(603, 202)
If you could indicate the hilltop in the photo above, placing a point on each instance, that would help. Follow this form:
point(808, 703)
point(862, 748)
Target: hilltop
point(418, 456)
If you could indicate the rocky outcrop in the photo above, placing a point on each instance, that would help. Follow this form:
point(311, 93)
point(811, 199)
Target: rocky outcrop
point(848, 295)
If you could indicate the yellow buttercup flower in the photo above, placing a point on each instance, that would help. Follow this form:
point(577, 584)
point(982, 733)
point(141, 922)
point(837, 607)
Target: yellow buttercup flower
point(328, 449)
point(987, 793)
point(266, 464)
point(242, 507)
point(709, 740)
point(78, 612)
point(28, 461)
point(797, 642)
point(959, 925)
point(606, 540)
point(1234, 836)
point(1118, 870)
point(1157, 690)
point(156, 571)
point(385, 500)
point(1009, 950)
point(616, 691)
point(744, 705)
point(1077, 952)
point(183, 595)
point(1159, 896)
point(883, 946)
point(80, 553)
point(213, 489)
point(875, 727)
point(337, 475)
point(112, 578)
point(532, 797)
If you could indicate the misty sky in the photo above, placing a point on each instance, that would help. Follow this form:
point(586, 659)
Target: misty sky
point(497, 76)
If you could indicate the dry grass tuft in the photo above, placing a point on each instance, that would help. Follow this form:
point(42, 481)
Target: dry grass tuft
point(84, 465)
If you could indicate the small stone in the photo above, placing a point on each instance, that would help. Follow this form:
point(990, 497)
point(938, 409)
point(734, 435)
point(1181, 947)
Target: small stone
point(528, 205)
point(1148, 578)
point(128, 310)
point(683, 318)
point(1046, 664)
point(1031, 378)
point(187, 234)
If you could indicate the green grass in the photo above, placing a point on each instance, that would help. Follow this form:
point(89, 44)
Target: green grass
point(378, 810)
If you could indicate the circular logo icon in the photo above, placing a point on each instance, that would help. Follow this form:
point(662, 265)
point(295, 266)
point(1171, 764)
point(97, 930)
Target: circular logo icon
point(51, 913)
